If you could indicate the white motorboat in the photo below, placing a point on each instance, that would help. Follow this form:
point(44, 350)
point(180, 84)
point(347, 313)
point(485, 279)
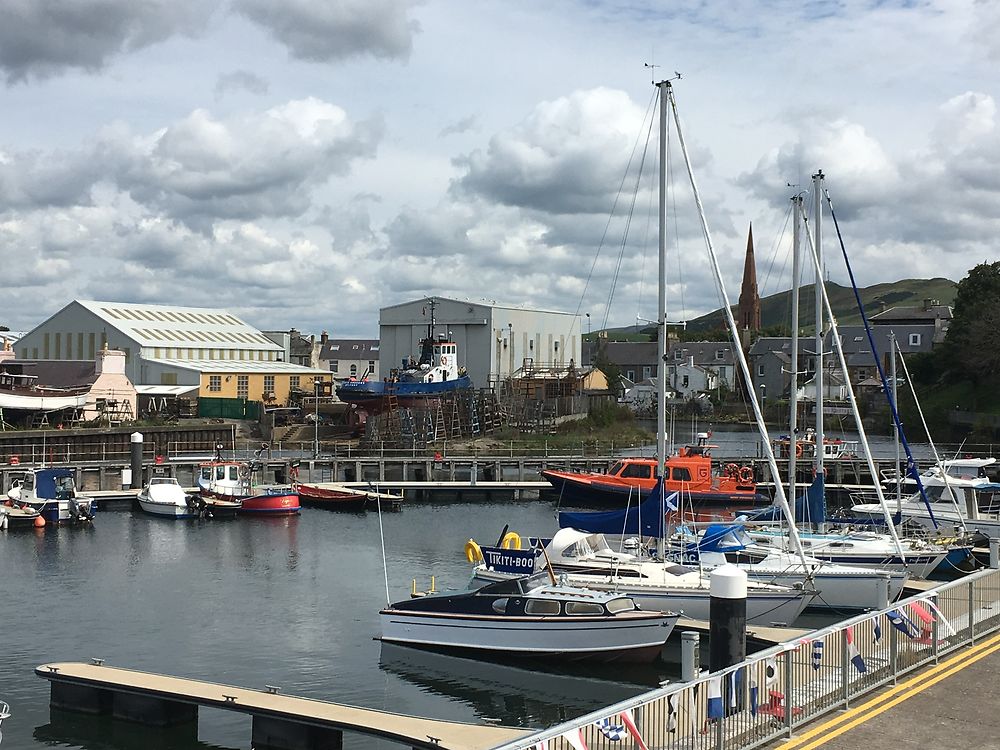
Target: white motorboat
point(587, 560)
point(164, 497)
point(530, 616)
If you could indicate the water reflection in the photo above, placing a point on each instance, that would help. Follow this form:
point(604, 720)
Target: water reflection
point(530, 694)
point(104, 733)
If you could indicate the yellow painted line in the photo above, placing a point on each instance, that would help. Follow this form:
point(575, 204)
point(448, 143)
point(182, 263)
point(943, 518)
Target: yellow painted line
point(903, 690)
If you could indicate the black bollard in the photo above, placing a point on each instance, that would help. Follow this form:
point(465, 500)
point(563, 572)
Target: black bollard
point(136, 455)
point(727, 622)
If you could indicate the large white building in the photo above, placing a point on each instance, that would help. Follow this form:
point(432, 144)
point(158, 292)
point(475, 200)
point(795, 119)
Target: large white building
point(494, 341)
point(166, 345)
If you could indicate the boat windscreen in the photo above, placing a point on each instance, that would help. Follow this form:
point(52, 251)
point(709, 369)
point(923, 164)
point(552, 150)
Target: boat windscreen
point(621, 604)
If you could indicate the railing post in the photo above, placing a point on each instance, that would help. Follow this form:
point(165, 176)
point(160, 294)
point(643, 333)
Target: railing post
point(934, 633)
point(894, 652)
point(788, 692)
point(845, 661)
point(972, 614)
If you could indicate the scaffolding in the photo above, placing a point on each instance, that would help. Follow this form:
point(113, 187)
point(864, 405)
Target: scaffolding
point(429, 420)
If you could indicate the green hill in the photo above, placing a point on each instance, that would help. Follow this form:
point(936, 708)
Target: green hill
point(776, 310)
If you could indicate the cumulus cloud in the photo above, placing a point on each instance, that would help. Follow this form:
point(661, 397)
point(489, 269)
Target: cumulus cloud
point(329, 31)
point(568, 156)
point(460, 126)
point(41, 38)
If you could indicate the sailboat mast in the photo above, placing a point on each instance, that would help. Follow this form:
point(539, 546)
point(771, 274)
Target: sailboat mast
point(661, 302)
point(818, 249)
point(793, 397)
point(895, 430)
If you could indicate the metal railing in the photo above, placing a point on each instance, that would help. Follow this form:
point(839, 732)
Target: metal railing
point(773, 692)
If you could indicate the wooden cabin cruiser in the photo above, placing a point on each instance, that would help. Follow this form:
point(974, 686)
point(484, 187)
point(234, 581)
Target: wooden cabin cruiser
point(689, 472)
point(530, 616)
point(587, 560)
point(52, 492)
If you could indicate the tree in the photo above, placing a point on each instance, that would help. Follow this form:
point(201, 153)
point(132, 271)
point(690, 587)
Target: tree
point(972, 344)
point(611, 371)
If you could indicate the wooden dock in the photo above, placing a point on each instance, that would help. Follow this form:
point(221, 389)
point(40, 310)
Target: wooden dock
point(280, 722)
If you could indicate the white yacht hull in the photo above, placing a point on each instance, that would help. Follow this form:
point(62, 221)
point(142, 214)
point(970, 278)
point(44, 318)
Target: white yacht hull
point(167, 501)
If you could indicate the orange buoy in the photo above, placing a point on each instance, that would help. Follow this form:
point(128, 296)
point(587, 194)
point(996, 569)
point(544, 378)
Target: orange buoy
point(39, 522)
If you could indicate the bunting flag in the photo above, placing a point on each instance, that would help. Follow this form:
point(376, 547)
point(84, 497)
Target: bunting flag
point(902, 623)
point(626, 718)
point(926, 622)
point(734, 683)
point(672, 713)
point(940, 616)
point(770, 672)
point(754, 697)
point(613, 732)
point(853, 654)
point(817, 656)
point(877, 630)
point(671, 501)
point(543, 745)
point(575, 739)
point(715, 709)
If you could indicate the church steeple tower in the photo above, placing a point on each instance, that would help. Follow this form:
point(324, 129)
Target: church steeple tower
point(749, 308)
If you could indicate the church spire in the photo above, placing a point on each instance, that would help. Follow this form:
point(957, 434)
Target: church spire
point(749, 307)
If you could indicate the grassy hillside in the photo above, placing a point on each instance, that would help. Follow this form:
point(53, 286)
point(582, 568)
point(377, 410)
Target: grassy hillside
point(776, 310)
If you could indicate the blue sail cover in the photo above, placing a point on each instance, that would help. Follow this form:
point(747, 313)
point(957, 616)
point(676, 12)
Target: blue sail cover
point(651, 512)
point(809, 508)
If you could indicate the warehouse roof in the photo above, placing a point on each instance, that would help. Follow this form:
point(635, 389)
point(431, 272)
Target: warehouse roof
point(180, 327)
point(236, 365)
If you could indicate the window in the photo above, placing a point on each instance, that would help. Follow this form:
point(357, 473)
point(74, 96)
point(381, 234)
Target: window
point(630, 375)
point(293, 381)
point(214, 383)
point(269, 384)
point(168, 378)
point(677, 353)
point(621, 605)
point(45, 346)
point(354, 371)
point(584, 608)
point(334, 365)
point(220, 472)
point(760, 371)
point(687, 380)
point(720, 354)
point(500, 605)
point(371, 365)
point(242, 386)
point(58, 346)
point(915, 339)
point(541, 607)
point(680, 474)
point(647, 372)
point(639, 471)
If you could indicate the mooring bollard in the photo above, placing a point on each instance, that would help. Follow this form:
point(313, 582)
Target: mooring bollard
point(136, 456)
point(690, 655)
point(994, 553)
point(727, 617)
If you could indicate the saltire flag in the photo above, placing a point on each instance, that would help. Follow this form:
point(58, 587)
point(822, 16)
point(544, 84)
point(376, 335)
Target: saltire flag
point(575, 739)
point(715, 710)
point(817, 655)
point(853, 654)
point(613, 732)
point(734, 683)
point(877, 630)
point(626, 717)
point(671, 500)
point(902, 623)
point(940, 616)
point(753, 697)
point(672, 712)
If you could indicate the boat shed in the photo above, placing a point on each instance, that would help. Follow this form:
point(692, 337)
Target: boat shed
point(212, 349)
point(494, 340)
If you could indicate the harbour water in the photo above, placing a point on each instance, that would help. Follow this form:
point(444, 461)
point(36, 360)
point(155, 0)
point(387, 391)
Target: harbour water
point(291, 602)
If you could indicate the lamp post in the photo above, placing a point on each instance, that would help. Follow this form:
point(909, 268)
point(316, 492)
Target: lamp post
point(763, 396)
point(588, 324)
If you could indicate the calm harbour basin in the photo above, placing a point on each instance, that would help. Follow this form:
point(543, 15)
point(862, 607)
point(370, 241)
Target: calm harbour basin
point(288, 601)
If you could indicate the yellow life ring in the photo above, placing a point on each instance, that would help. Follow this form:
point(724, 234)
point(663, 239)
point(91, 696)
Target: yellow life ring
point(511, 540)
point(472, 552)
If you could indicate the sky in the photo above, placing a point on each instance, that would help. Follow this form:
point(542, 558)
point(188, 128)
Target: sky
point(302, 163)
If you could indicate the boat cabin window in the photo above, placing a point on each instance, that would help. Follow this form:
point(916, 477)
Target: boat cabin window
point(680, 474)
point(500, 605)
point(29, 482)
point(206, 472)
point(615, 468)
point(638, 471)
point(220, 472)
point(541, 607)
point(65, 484)
point(584, 608)
point(622, 604)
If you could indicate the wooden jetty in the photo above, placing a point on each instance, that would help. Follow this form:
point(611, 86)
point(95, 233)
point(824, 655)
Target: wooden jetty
point(280, 722)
